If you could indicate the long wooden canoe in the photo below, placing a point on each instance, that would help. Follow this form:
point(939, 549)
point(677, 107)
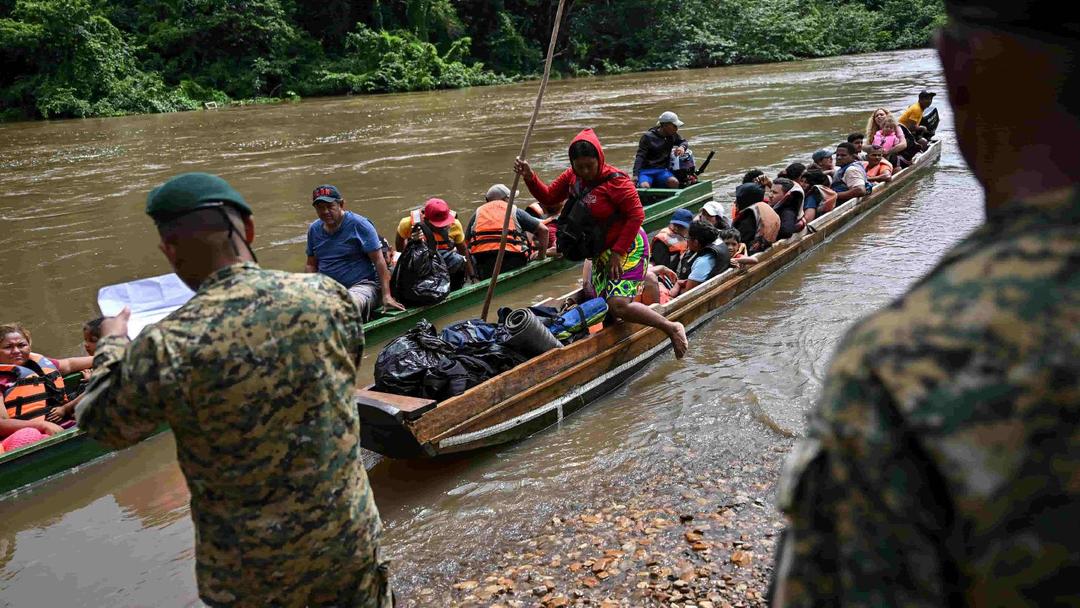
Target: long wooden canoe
point(660, 204)
point(545, 389)
point(72, 448)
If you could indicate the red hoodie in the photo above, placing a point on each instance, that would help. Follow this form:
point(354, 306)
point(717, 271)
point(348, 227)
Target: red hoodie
point(616, 197)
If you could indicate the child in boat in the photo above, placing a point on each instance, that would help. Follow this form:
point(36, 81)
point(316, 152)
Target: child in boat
point(739, 257)
point(91, 331)
point(888, 135)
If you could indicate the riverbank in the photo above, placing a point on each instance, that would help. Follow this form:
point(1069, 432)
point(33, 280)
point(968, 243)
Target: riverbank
point(81, 59)
point(703, 534)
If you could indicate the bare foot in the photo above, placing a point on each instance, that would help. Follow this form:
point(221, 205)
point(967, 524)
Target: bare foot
point(679, 343)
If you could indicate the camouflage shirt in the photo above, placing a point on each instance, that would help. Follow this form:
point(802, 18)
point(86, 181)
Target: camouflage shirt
point(256, 376)
point(943, 466)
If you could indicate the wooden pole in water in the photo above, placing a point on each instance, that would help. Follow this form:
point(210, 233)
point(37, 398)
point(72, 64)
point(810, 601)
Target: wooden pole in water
point(524, 150)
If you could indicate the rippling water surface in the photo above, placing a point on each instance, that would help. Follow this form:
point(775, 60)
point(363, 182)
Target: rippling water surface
point(118, 532)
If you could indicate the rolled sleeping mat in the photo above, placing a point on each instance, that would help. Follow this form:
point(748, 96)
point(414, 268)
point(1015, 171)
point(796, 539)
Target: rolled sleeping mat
point(528, 334)
point(579, 318)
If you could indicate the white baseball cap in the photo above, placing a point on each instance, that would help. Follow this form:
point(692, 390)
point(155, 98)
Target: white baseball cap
point(713, 208)
point(499, 192)
point(671, 117)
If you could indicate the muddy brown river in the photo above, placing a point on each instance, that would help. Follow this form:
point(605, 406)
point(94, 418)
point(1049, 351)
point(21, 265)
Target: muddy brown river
point(118, 532)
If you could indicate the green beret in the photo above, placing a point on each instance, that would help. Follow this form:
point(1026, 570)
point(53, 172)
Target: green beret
point(190, 191)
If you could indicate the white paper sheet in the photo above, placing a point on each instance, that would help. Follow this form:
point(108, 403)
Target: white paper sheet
point(150, 300)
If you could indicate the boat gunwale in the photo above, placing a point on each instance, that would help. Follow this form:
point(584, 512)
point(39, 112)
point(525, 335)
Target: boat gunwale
point(715, 287)
point(74, 438)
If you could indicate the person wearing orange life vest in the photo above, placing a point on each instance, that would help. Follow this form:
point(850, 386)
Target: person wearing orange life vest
point(669, 245)
point(437, 219)
point(484, 233)
point(31, 384)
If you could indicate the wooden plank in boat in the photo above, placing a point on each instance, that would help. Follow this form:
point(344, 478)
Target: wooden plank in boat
point(401, 407)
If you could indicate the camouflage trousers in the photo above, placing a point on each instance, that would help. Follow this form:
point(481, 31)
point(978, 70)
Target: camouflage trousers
point(358, 584)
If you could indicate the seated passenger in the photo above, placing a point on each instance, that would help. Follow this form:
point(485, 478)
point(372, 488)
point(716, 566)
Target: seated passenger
point(914, 114)
point(787, 201)
point(710, 258)
point(713, 213)
point(669, 245)
point(819, 197)
point(758, 224)
point(739, 256)
point(536, 210)
point(889, 136)
point(849, 180)
point(91, 331)
point(484, 233)
point(877, 168)
point(753, 176)
point(823, 161)
point(31, 385)
point(437, 218)
point(857, 140)
point(657, 149)
point(345, 247)
point(793, 171)
point(876, 122)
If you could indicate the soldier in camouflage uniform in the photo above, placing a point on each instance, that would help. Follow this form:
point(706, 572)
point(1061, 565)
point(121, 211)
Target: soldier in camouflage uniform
point(256, 376)
point(943, 466)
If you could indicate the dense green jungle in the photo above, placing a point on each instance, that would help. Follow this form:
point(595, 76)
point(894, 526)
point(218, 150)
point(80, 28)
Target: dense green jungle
point(83, 58)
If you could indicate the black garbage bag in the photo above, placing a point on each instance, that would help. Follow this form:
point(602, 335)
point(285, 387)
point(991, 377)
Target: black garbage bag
point(422, 364)
point(420, 275)
point(405, 362)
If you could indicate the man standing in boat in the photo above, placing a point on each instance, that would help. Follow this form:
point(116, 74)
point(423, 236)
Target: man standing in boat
point(941, 468)
point(609, 217)
point(255, 375)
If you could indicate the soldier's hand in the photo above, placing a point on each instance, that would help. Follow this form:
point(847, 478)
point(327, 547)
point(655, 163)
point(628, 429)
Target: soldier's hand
point(118, 325)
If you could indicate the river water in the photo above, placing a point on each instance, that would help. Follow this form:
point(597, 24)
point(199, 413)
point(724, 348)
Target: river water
point(118, 532)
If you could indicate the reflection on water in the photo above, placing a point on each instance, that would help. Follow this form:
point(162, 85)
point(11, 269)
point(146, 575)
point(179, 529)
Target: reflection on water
point(118, 533)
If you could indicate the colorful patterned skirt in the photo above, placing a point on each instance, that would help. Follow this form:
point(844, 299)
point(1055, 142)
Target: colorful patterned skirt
point(634, 266)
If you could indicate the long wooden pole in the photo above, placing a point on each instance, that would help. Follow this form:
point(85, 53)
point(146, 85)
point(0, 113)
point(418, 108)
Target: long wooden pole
point(524, 151)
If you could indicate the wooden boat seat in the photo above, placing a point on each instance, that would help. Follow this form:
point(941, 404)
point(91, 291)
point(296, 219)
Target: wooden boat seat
point(398, 406)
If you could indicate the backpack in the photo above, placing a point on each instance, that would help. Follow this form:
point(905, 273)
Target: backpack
point(580, 236)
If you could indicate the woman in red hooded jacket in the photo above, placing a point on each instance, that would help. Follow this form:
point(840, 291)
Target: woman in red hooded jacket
point(612, 200)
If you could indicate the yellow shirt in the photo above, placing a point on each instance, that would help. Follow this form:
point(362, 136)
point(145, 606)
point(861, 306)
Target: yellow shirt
point(457, 233)
point(911, 116)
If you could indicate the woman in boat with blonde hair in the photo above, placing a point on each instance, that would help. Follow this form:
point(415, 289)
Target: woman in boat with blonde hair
point(875, 124)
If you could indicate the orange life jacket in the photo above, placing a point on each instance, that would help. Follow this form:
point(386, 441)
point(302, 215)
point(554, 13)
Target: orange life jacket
point(38, 387)
point(537, 210)
point(828, 199)
point(442, 235)
point(878, 168)
point(768, 225)
point(487, 230)
point(675, 243)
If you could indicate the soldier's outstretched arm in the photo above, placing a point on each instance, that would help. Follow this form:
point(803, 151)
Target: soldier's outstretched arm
point(865, 506)
point(124, 402)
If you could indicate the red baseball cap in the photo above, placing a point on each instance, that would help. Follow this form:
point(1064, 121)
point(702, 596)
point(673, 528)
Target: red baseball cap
point(437, 213)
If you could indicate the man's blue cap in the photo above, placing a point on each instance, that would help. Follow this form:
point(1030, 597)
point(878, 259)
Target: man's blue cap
point(325, 194)
point(682, 217)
